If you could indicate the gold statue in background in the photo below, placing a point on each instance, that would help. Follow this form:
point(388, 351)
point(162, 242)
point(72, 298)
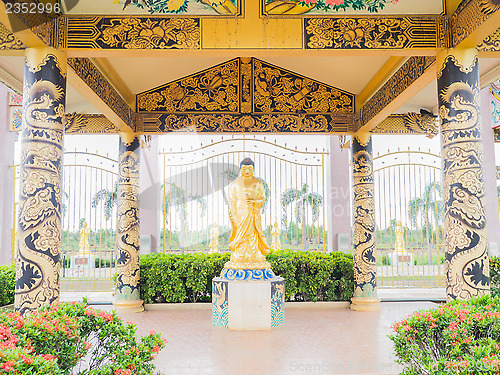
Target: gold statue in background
point(214, 238)
point(247, 242)
point(83, 246)
point(275, 235)
point(399, 246)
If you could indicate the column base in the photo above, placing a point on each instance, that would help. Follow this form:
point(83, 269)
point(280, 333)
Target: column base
point(129, 306)
point(365, 304)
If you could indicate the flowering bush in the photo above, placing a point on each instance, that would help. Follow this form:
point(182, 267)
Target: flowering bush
point(460, 337)
point(74, 339)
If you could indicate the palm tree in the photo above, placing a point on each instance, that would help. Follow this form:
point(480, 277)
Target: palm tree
point(110, 199)
point(177, 197)
point(302, 198)
point(428, 205)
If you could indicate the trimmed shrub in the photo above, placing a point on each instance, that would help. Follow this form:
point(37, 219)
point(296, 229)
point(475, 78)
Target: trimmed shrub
point(495, 276)
point(309, 276)
point(104, 263)
point(460, 337)
point(7, 284)
point(74, 338)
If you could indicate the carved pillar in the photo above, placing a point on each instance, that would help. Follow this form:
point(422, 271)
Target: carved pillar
point(365, 292)
point(39, 226)
point(127, 232)
point(466, 245)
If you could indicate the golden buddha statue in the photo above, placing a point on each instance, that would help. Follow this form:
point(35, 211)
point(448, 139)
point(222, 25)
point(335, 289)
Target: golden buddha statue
point(214, 238)
point(399, 246)
point(275, 235)
point(83, 246)
point(247, 242)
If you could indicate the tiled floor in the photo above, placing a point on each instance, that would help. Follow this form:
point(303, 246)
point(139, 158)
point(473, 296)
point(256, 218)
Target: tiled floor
point(312, 341)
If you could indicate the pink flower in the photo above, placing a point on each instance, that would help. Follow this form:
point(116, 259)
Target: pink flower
point(334, 2)
point(394, 1)
point(453, 326)
point(311, 1)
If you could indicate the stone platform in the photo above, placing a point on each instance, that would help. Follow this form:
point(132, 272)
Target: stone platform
point(241, 302)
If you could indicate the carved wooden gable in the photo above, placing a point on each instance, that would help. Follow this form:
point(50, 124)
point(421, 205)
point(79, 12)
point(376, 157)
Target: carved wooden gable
point(245, 85)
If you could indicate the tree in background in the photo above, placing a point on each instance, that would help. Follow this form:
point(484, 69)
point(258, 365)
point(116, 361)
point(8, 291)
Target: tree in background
point(110, 199)
point(175, 196)
point(428, 206)
point(302, 198)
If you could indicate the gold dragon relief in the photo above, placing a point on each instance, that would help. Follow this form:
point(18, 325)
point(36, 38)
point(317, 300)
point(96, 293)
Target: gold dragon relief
point(466, 260)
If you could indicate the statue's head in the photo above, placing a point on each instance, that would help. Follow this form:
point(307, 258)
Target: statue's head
point(246, 167)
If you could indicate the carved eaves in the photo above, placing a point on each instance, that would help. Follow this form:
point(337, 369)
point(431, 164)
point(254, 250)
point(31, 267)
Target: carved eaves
point(409, 123)
point(77, 123)
point(473, 21)
point(8, 41)
point(400, 87)
point(100, 92)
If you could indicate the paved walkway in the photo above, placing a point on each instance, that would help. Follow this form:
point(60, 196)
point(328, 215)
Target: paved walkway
point(429, 294)
point(312, 341)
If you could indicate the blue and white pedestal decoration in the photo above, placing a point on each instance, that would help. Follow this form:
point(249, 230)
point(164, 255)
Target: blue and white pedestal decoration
point(248, 300)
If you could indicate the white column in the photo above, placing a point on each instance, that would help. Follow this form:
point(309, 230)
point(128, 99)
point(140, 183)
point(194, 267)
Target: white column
point(490, 172)
point(7, 144)
point(338, 196)
point(149, 203)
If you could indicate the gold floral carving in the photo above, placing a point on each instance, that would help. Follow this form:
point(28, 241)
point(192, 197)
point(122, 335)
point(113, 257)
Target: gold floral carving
point(246, 86)
point(9, 40)
point(212, 90)
point(89, 73)
point(276, 90)
point(372, 33)
point(408, 123)
point(411, 70)
point(266, 123)
point(88, 124)
point(130, 32)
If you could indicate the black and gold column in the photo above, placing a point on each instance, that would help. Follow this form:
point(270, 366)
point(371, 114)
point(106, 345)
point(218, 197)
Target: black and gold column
point(38, 239)
point(127, 232)
point(365, 292)
point(466, 246)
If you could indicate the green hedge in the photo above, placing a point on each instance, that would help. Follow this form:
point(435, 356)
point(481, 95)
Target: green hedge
point(7, 284)
point(495, 276)
point(309, 276)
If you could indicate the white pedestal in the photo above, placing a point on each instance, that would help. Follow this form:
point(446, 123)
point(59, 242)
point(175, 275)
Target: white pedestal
point(398, 258)
point(248, 305)
point(82, 264)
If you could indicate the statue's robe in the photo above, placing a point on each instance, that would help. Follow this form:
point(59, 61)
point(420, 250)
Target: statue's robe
point(247, 242)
